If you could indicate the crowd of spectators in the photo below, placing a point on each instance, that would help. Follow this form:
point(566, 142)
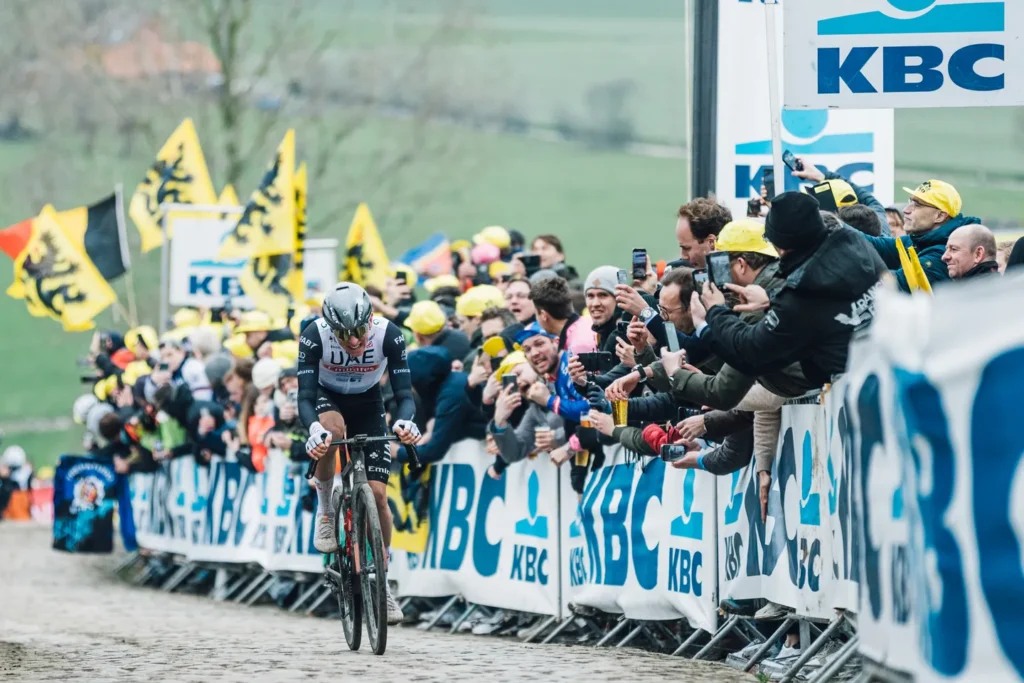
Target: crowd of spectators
point(689, 358)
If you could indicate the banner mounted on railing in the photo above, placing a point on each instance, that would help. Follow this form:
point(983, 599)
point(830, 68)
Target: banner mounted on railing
point(227, 513)
point(942, 397)
point(493, 541)
point(801, 555)
point(647, 532)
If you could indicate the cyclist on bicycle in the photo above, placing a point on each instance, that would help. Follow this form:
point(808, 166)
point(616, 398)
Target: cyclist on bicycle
point(342, 358)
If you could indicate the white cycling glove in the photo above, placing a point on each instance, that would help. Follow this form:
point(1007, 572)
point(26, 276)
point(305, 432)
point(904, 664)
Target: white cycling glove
point(407, 425)
point(317, 435)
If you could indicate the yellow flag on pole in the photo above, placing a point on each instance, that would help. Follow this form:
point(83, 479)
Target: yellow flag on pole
point(366, 260)
point(178, 175)
point(268, 224)
point(57, 280)
point(915, 264)
point(275, 282)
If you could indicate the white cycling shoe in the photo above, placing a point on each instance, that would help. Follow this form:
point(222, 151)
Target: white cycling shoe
point(325, 536)
point(395, 613)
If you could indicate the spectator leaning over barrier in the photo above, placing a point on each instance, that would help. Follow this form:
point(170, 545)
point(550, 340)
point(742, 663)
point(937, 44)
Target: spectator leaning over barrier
point(970, 251)
point(829, 293)
point(539, 430)
point(840, 191)
point(429, 327)
point(443, 405)
point(931, 216)
point(698, 223)
point(517, 300)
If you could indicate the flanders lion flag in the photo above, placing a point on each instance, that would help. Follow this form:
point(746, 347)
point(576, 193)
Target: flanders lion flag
point(52, 276)
point(366, 260)
point(178, 175)
point(274, 282)
point(268, 224)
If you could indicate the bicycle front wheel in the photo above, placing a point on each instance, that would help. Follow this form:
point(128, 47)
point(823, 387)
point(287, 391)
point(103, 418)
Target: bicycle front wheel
point(350, 603)
point(372, 575)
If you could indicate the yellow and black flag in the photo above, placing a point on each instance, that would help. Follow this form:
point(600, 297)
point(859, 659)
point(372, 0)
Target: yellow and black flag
point(178, 175)
point(268, 224)
point(366, 260)
point(52, 276)
point(276, 282)
point(95, 230)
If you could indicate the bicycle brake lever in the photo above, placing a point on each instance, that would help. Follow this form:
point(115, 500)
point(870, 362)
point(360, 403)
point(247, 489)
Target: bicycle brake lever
point(311, 470)
point(416, 469)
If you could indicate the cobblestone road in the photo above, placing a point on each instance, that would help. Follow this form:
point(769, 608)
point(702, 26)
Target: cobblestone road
point(65, 617)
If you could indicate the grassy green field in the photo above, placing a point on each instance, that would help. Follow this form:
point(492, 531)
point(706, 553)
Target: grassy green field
point(538, 58)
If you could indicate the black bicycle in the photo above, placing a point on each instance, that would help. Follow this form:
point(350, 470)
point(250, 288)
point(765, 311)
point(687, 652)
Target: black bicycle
point(357, 572)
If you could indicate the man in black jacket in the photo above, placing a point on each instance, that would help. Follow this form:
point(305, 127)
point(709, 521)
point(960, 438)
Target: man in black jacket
point(829, 293)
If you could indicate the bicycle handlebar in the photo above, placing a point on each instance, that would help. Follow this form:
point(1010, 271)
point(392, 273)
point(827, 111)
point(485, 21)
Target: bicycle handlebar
point(415, 468)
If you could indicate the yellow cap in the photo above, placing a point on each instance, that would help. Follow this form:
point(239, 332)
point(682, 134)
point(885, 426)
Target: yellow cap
point(496, 235)
point(314, 298)
point(461, 245)
point(144, 334)
point(426, 317)
point(186, 317)
point(436, 283)
point(478, 299)
point(494, 346)
point(105, 387)
point(255, 321)
point(744, 235)
point(411, 276)
point(842, 192)
point(45, 473)
point(285, 352)
point(511, 360)
point(499, 268)
point(939, 194)
point(237, 347)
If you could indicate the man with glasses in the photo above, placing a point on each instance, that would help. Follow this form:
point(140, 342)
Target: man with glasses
point(930, 217)
point(342, 357)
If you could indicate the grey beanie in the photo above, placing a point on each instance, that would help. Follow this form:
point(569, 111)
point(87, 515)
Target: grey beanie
point(542, 274)
point(217, 366)
point(602, 277)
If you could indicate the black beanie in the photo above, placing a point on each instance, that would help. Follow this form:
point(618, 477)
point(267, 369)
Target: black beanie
point(794, 221)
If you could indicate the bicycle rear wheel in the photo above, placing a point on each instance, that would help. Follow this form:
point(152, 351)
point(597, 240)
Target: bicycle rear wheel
point(373, 578)
point(350, 602)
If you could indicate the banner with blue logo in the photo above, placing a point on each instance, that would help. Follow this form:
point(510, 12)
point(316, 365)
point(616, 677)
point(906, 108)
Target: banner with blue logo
point(943, 397)
point(84, 495)
point(857, 145)
point(644, 542)
point(801, 554)
point(904, 53)
point(493, 541)
point(227, 513)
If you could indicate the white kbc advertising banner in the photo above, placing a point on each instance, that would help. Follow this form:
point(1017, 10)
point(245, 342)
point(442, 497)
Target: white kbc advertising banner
point(227, 513)
point(903, 53)
point(644, 542)
point(493, 541)
point(199, 278)
point(857, 145)
point(802, 554)
point(939, 389)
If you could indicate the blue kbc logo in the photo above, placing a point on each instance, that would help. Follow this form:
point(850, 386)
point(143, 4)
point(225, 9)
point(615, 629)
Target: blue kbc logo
point(612, 495)
point(529, 564)
point(223, 285)
point(916, 68)
point(803, 134)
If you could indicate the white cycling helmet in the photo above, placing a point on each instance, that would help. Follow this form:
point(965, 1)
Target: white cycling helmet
point(347, 308)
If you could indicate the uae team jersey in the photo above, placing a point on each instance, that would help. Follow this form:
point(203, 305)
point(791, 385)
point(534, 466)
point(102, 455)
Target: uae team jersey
point(323, 363)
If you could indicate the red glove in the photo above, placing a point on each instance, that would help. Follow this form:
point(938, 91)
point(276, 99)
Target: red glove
point(655, 437)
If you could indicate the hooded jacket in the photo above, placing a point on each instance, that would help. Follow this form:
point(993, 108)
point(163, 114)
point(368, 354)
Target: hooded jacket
point(929, 247)
point(827, 296)
point(443, 397)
